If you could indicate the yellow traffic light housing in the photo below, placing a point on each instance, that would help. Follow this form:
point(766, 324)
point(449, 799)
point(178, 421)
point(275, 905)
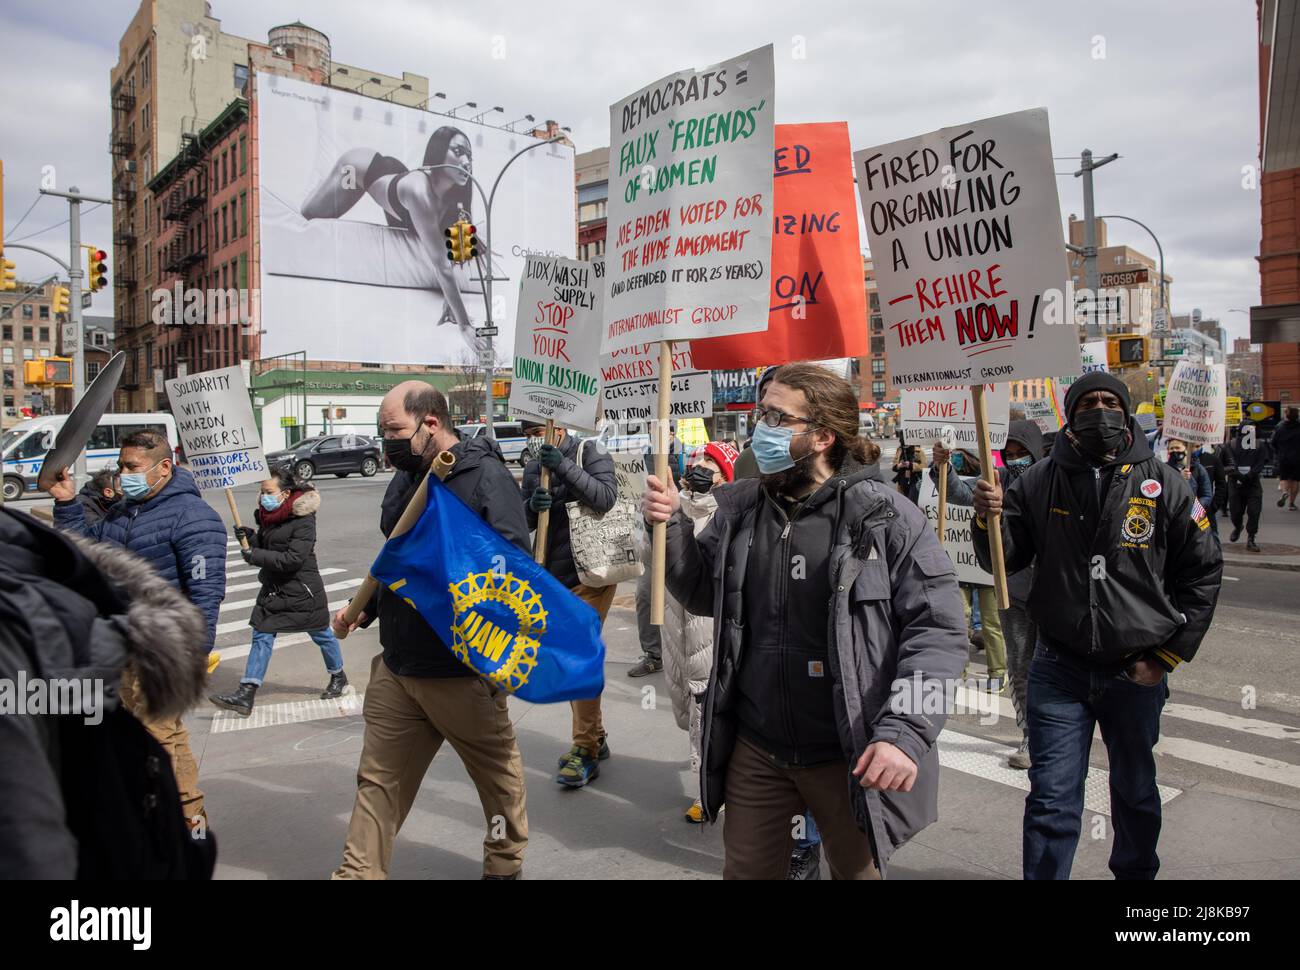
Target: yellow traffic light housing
point(96, 269)
point(61, 297)
point(48, 371)
point(453, 242)
point(468, 242)
point(1126, 350)
point(8, 278)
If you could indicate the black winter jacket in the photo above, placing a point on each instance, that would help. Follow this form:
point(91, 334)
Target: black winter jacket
point(1127, 567)
point(481, 480)
point(594, 485)
point(292, 598)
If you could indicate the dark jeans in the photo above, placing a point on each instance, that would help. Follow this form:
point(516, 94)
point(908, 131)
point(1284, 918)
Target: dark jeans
point(1067, 699)
point(651, 645)
point(1246, 497)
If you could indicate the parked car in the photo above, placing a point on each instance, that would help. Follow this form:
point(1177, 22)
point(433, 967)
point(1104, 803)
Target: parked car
point(340, 454)
point(509, 435)
point(25, 444)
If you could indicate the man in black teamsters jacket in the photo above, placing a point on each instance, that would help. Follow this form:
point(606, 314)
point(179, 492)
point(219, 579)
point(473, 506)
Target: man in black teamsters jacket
point(1124, 590)
point(419, 693)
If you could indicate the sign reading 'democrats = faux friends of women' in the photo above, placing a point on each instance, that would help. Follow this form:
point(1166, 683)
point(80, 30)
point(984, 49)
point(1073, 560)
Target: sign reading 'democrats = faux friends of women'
point(925, 412)
point(215, 420)
point(690, 205)
point(557, 342)
point(965, 229)
point(1196, 403)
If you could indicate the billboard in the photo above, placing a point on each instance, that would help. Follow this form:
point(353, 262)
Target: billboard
point(352, 217)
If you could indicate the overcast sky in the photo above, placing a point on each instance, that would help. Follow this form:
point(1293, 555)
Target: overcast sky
point(1171, 85)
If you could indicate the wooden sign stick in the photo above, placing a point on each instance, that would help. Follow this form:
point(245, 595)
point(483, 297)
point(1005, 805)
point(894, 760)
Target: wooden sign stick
point(234, 513)
point(544, 517)
point(942, 475)
point(990, 475)
point(659, 534)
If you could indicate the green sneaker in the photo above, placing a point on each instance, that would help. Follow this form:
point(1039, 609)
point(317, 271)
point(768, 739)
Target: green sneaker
point(580, 769)
point(602, 754)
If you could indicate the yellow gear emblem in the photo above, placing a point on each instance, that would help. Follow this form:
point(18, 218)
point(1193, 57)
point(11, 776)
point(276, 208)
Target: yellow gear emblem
point(477, 637)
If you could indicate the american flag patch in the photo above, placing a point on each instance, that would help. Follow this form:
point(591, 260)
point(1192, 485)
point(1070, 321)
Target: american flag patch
point(1198, 510)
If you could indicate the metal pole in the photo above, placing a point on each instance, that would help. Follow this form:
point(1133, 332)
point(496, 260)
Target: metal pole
point(1160, 251)
point(74, 313)
point(1091, 277)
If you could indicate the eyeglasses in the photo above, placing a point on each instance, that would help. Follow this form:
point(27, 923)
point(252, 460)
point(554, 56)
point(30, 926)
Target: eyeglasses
point(774, 418)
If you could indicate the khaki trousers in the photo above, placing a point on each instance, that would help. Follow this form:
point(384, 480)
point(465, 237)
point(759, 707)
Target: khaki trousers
point(588, 728)
point(765, 801)
point(171, 734)
point(407, 719)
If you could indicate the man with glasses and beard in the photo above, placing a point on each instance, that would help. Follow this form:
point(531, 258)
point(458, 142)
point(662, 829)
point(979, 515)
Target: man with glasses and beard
point(837, 611)
point(419, 693)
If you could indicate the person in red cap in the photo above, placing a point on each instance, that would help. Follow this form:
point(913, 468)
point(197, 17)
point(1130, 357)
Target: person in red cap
point(687, 638)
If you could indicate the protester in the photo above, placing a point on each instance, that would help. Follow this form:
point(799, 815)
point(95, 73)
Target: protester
point(163, 519)
point(983, 620)
point(1286, 450)
point(813, 708)
point(1195, 475)
point(649, 635)
point(909, 465)
point(1124, 589)
point(99, 494)
point(1211, 459)
point(419, 693)
point(806, 860)
point(687, 638)
point(83, 796)
point(1243, 462)
point(747, 464)
point(292, 598)
point(588, 479)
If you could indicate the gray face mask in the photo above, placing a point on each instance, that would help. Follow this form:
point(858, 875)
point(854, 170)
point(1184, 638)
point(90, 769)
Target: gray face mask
point(533, 446)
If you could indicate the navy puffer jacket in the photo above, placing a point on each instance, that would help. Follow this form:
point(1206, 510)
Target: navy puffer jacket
point(176, 532)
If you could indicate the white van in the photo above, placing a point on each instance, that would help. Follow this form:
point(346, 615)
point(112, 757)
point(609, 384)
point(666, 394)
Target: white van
point(25, 445)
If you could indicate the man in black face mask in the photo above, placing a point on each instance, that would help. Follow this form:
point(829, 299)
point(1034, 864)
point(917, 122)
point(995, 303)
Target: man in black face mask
point(1124, 590)
point(419, 694)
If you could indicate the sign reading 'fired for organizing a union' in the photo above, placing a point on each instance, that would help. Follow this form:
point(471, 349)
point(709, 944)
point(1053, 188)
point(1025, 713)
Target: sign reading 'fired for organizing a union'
point(965, 227)
point(690, 205)
point(215, 420)
point(557, 342)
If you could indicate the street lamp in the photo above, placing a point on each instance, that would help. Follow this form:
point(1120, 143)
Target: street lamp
point(528, 118)
point(467, 104)
point(483, 114)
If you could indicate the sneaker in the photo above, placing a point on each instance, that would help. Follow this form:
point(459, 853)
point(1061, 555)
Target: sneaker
point(1281, 502)
point(602, 754)
point(1236, 534)
point(806, 863)
point(695, 813)
point(578, 770)
point(646, 666)
point(1020, 757)
point(1251, 545)
point(996, 685)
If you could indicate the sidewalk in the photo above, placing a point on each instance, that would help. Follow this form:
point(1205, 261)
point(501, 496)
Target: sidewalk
point(1279, 536)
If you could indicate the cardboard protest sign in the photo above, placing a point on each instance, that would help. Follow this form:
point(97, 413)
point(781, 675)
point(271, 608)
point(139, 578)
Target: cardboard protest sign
point(1196, 403)
point(690, 205)
point(964, 226)
point(1043, 411)
point(957, 542)
point(631, 385)
point(817, 303)
point(557, 342)
point(925, 412)
point(215, 420)
point(1092, 357)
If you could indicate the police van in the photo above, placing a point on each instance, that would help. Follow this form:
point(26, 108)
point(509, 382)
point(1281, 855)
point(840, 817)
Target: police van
point(25, 445)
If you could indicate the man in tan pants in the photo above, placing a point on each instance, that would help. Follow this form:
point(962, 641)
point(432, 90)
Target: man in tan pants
point(419, 694)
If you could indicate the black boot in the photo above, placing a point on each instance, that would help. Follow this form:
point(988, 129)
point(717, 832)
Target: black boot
point(241, 701)
point(335, 687)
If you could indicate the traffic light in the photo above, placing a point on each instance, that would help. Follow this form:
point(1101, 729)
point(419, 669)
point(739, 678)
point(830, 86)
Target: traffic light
point(8, 278)
point(96, 269)
point(61, 295)
point(453, 242)
point(47, 371)
point(1126, 350)
point(462, 243)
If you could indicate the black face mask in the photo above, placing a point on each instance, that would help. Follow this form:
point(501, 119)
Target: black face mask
point(1100, 431)
point(699, 479)
point(401, 456)
point(1176, 458)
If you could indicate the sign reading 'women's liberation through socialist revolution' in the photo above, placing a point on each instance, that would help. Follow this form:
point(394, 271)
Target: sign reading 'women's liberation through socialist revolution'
point(557, 342)
point(690, 205)
point(964, 226)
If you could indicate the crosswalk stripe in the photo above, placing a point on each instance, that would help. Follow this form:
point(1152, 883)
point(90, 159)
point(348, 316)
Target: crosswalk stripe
point(234, 625)
point(1238, 762)
point(330, 588)
point(254, 572)
point(290, 712)
point(1247, 725)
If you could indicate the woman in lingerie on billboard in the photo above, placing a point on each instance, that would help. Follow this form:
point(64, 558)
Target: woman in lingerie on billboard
point(425, 200)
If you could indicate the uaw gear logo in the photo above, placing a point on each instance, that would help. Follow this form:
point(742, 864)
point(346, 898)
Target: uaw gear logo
point(498, 622)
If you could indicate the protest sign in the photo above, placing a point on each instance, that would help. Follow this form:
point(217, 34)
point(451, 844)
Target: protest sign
point(690, 205)
point(956, 537)
point(1043, 411)
point(925, 412)
point(1195, 403)
point(817, 307)
point(214, 418)
point(1092, 357)
point(631, 385)
point(557, 342)
point(965, 228)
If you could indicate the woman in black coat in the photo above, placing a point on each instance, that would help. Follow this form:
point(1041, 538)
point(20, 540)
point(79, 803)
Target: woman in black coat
point(292, 597)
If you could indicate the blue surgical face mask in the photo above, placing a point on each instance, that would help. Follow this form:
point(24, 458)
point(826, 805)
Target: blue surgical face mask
point(1020, 462)
point(270, 502)
point(957, 460)
point(772, 448)
point(135, 485)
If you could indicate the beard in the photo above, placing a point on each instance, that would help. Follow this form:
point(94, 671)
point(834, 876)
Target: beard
point(798, 477)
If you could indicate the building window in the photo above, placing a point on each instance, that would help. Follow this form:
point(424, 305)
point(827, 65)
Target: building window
point(45, 333)
point(8, 355)
point(9, 378)
point(878, 389)
point(45, 313)
point(145, 115)
point(27, 333)
point(243, 213)
point(8, 331)
point(877, 345)
point(45, 351)
point(92, 370)
point(877, 367)
point(243, 271)
point(27, 354)
point(243, 154)
point(877, 323)
point(241, 77)
point(27, 314)
point(225, 226)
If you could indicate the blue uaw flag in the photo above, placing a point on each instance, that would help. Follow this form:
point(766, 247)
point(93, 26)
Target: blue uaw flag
point(504, 616)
